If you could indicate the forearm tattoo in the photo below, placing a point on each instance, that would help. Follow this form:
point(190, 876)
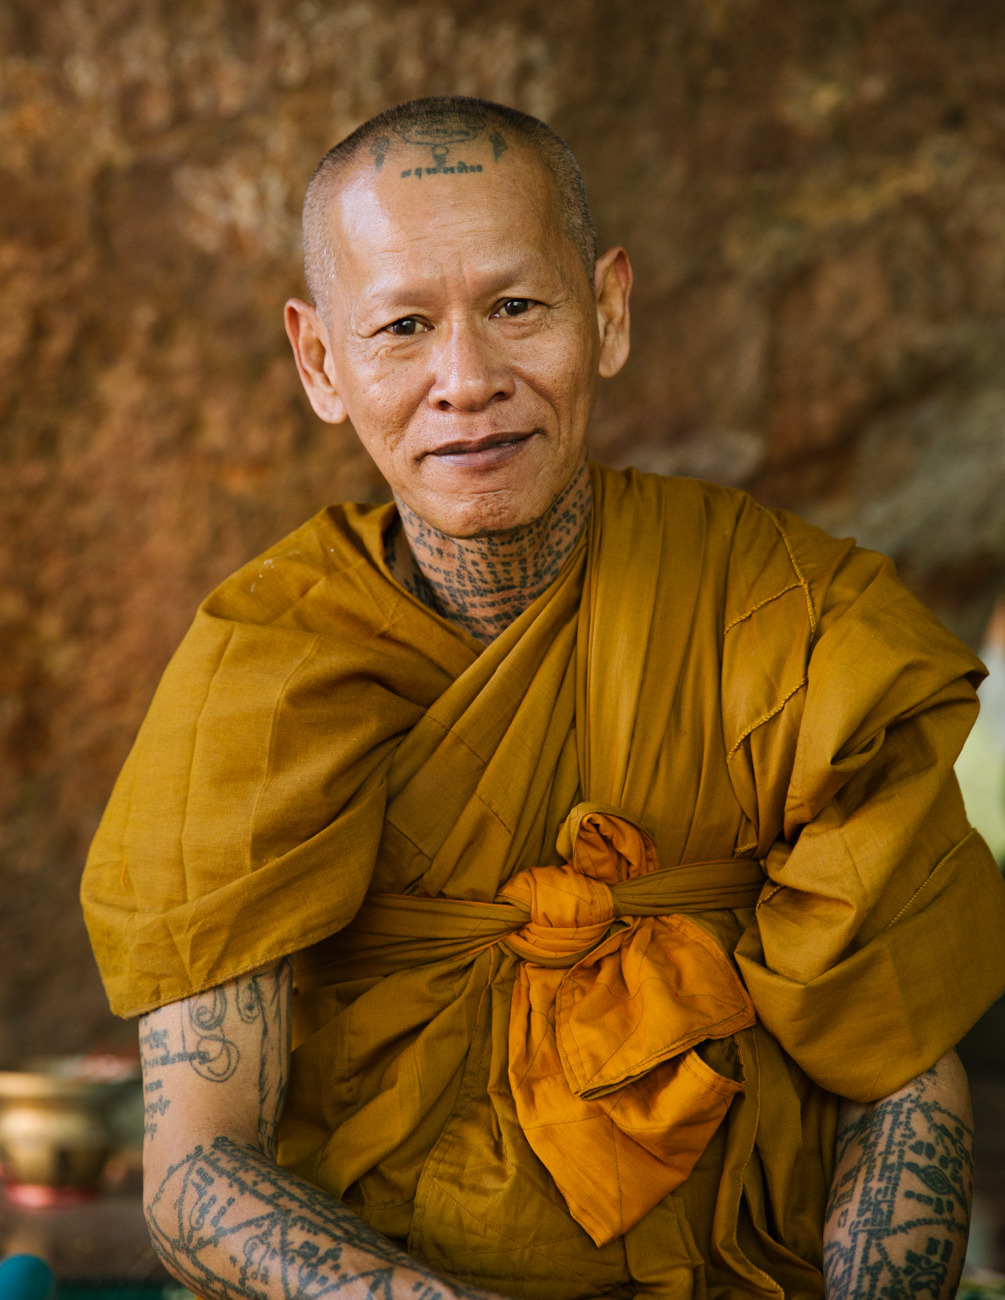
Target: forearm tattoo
point(898, 1216)
point(282, 1237)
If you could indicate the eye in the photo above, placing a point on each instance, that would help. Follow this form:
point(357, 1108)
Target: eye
point(514, 307)
point(406, 327)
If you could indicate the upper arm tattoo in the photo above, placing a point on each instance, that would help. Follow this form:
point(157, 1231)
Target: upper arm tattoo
point(202, 1036)
point(269, 1003)
point(203, 1030)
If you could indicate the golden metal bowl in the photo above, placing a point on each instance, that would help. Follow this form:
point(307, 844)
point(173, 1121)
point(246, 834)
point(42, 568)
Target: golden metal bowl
point(55, 1134)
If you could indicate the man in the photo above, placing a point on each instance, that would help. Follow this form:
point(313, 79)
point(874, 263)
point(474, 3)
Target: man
point(609, 821)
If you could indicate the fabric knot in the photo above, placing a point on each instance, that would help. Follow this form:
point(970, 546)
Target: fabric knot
point(609, 1087)
point(570, 913)
point(616, 1064)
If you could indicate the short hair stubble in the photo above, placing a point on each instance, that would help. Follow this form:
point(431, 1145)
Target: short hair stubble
point(539, 139)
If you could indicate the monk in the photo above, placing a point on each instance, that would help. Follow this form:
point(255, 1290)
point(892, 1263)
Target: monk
point(551, 884)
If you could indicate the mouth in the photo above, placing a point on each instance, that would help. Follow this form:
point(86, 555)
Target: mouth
point(478, 453)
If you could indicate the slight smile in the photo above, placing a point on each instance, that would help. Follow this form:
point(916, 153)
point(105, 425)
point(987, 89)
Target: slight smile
point(482, 453)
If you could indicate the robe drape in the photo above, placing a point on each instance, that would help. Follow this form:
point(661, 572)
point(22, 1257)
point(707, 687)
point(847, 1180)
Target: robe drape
point(729, 680)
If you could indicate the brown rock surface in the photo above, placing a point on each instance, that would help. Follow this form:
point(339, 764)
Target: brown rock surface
point(813, 198)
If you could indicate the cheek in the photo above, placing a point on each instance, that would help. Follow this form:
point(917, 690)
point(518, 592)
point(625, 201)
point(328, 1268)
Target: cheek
point(565, 374)
point(381, 399)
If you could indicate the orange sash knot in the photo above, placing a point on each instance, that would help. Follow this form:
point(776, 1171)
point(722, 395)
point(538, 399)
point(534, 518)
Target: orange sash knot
point(608, 1009)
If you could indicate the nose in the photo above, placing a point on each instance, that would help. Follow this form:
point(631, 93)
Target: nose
point(469, 374)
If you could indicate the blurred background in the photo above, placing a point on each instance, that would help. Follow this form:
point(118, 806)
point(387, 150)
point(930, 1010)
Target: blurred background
point(813, 197)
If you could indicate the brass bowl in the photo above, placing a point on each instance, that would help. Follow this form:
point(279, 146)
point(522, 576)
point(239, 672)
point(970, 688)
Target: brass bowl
point(55, 1134)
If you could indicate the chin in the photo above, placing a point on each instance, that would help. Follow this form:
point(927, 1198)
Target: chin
point(516, 499)
point(487, 513)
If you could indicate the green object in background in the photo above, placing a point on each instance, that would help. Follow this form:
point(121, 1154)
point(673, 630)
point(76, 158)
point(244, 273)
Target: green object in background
point(26, 1277)
point(981, 765)
point(980, 769)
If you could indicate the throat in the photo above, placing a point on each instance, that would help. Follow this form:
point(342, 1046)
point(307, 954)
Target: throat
point(483, 583)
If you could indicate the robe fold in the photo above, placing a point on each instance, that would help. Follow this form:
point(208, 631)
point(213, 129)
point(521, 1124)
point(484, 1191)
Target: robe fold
point(330, 769)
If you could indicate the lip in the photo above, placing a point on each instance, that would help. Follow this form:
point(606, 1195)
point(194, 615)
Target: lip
point(479, 453)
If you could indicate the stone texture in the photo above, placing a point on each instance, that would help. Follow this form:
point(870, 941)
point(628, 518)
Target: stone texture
point(812, 195)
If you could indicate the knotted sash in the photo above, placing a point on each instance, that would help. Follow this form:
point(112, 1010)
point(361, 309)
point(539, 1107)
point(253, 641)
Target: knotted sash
point(614, 992)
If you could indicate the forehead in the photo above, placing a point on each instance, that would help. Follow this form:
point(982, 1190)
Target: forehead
point(394, 205)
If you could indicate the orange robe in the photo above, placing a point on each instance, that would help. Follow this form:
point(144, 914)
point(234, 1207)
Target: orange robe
point(331, 769)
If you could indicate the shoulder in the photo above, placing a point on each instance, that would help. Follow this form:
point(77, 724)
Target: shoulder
point(793, 605)
point(754, 554)
point(337, 548)
point(315, 601)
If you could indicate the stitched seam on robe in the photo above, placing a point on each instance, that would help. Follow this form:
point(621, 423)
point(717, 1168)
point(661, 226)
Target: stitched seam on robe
point(803, 582)
point(936, 870)
point(765, 717)
point(740, 618)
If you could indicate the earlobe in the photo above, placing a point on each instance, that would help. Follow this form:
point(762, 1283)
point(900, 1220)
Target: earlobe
point(311, 348)
point(613, 285)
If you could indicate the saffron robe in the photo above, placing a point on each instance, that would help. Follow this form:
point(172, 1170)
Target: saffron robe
point(730, 681)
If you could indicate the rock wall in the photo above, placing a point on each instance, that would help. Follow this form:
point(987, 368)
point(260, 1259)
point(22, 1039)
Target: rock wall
point(813, 198)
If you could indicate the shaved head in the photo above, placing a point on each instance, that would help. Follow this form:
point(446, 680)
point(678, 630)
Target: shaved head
point(461, 320)
point(433, 136)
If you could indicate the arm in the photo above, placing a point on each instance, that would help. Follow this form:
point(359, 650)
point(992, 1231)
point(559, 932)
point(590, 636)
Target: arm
point(225, 1218)
point(899, 1210)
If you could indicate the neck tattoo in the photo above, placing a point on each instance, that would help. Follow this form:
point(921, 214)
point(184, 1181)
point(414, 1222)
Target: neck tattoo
point(484, 583)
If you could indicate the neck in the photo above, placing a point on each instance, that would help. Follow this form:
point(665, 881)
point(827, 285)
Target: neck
point(484, 583)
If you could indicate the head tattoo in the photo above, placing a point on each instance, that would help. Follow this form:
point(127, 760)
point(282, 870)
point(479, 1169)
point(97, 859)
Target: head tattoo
point(436, 131)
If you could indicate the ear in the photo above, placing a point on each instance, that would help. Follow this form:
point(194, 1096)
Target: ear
point(309, 340)
point(612, 285)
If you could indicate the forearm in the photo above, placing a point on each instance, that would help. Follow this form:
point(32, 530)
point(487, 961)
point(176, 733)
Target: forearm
point(899, 1210)
point(227, 1220)
point(231, 1224)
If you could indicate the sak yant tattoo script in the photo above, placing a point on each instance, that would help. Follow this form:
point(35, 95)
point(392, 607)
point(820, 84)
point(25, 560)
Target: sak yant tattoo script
point(440, 135)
